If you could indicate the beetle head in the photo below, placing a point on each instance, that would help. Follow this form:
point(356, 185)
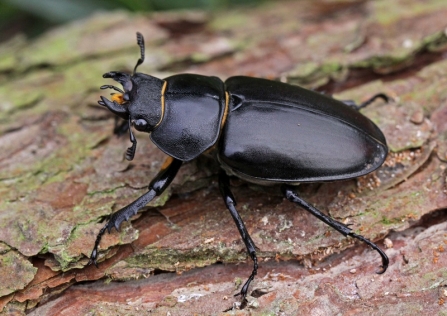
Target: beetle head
point(139, 102)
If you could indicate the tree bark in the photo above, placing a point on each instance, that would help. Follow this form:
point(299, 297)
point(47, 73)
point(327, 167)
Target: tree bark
point(62, 170)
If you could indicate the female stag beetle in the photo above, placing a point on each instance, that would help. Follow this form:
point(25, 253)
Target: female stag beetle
point(261, 131)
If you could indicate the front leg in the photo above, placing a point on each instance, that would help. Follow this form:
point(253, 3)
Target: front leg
point(230, 202)
point(156, 187)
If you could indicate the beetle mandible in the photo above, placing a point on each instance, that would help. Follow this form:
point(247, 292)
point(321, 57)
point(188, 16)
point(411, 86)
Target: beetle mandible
point(262, 131)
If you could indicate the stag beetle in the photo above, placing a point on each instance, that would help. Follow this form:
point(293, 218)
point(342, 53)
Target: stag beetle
point(262, 131)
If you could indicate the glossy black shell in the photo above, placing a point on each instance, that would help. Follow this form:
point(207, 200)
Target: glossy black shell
point(276, 132)
point(194, 108)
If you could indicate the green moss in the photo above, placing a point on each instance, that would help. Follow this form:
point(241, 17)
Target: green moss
point(387, 221)
point(15, 272)
point(44, 249)
point(66, 259)
point(378, 62)
point(435, 42)
point(388, 12)
point(7, 260)
point(313, 74)
point(162, 199)
point(106, 191)
point(171, 260)
point(229, 21)
point(8, 52)
point(237, 282)
point(16, 100)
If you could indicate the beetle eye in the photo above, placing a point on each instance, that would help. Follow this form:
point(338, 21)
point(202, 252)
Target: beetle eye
point(140, 125)
point(126, 96)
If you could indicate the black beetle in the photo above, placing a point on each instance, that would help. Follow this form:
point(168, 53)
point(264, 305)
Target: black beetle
point(262, 131)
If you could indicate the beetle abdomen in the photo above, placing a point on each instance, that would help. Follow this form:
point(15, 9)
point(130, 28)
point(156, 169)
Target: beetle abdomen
point(282, 141)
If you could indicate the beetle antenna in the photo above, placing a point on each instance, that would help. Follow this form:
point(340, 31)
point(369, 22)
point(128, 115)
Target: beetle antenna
point(140, 42)
point(130, 153)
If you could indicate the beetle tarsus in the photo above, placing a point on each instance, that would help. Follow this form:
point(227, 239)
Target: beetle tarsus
point(157, 186)
point(94, 255)
point(244, 290)
point(352, 104)
point(385, 260)
point(289, 193)
point(224, 186)
point(130, 152)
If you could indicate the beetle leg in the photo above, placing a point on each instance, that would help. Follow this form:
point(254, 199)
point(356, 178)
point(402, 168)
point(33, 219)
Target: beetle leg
point(341, 228)
point(156, 187)
point(120, 128)
point(352, 104)
point(230, 202)
point(130, 152)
